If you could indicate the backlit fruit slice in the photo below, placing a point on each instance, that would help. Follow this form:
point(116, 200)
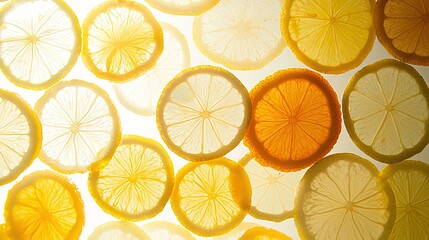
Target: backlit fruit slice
point(182, 7)
point(20, 136)
point(80, 126)
point(141, 95)
point(341, 197)
point(40, 41)
point(330, 36)
point(211, 198)
point(203, 113)
point(403, 29)
point(240, 34)
point(166, 231)
point(296, 119)
point(44, 205)
point(118, 230)
point(273, 192)
point(410, 184)
point(121, 40)
point(263, 233)
point(237, 232)
point(136, 183)
point(385, 107)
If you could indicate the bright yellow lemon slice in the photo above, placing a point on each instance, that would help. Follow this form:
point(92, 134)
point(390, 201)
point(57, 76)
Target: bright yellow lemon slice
point(263, 233)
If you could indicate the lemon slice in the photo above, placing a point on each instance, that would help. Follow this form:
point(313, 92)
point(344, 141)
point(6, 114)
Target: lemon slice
point(121, 40)
point(385, 107)
point(273, 192)
point(203, 113)
point(80, 126)
point(141, 95)
point(166, 231)
point(410, 184)
point(211, 198)
point(118, 230)
point(136, 183)
point(182, 7)
point(39, 42)
point(341, 197)
point(263, 233)
point(237, 232)
point(240, 34)
point(20, 136)
point(44, 205)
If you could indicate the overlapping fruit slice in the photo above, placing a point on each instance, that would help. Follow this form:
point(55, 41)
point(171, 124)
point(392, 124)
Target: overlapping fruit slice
point(237, 232)
point(262, 233)
point(166, 231)
point(118, 230)
point(183, 7)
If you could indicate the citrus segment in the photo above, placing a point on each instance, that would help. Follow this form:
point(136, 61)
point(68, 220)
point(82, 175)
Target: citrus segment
point(39, 42)
point(262, 233)
point(136, 183)
point(118, 230)
point(385, 107)
point(296, 119)
point(182, 7)
point(166, 231)
point(341, 197)
point(44, 205)
point(203, 113)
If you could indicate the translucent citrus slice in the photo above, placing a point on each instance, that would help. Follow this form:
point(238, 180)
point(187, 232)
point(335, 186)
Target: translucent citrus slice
point(166, 231)
point(273, 192)
point(44, 205)
point(203, 113)
point(20, 136)
point(263, 233)
point(403, 29)
point(211, 198)
point(410, 184)
point(118, 230)
point(80, 126)
point(296, 119)
point(182, 7)
point(141, 95)
point(341, 197)
point(39, 42)
point(330, 36)
point(121, 40)
point(385, 107)
point(136, 183)
point(240, 34)
point(237, 232)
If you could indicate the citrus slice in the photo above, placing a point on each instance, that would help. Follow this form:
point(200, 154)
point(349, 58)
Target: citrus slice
point(403, 29)
point(341, 197)
point(121, 40)
point(136, 183)
point(296, 119)
point(141, 95)
point(118, 230)
point(237, 232)
point(39, 42)
point(240, 34)
point(410, 184)
point(330, 36)
point(3, 235)
point(211, 198)
point(166, 231)
point(385, 107)
point(44, 205)
point(273, 192)
point(203, 113)
point(263, 233)
point(80, 126)
point(20, 136)
point(182, 7)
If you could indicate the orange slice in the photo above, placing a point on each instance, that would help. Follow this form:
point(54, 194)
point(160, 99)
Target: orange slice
point(182, 7)
point(296, 119)
point(263, 233)
point(166, 231)
point(118, 230)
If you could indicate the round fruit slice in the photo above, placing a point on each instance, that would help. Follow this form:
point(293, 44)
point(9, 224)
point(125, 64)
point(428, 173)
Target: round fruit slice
point(403, 29)
point(20, 136)
point(385, 107)
point(240, 34)
point(80, 126)
point(273, 192)
point(118, 230)
point(121, 40)
point(142, 94)
point(211, 198)
point(136, 183)
point(203, 113)
point(341, 197)
point(296, 120)
point(166, 231)
point(237, 232)
point(410, 184)
point(183, 7)
point(39, 42)
point(262, 233)
point(44, 205)
point(330, 36)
